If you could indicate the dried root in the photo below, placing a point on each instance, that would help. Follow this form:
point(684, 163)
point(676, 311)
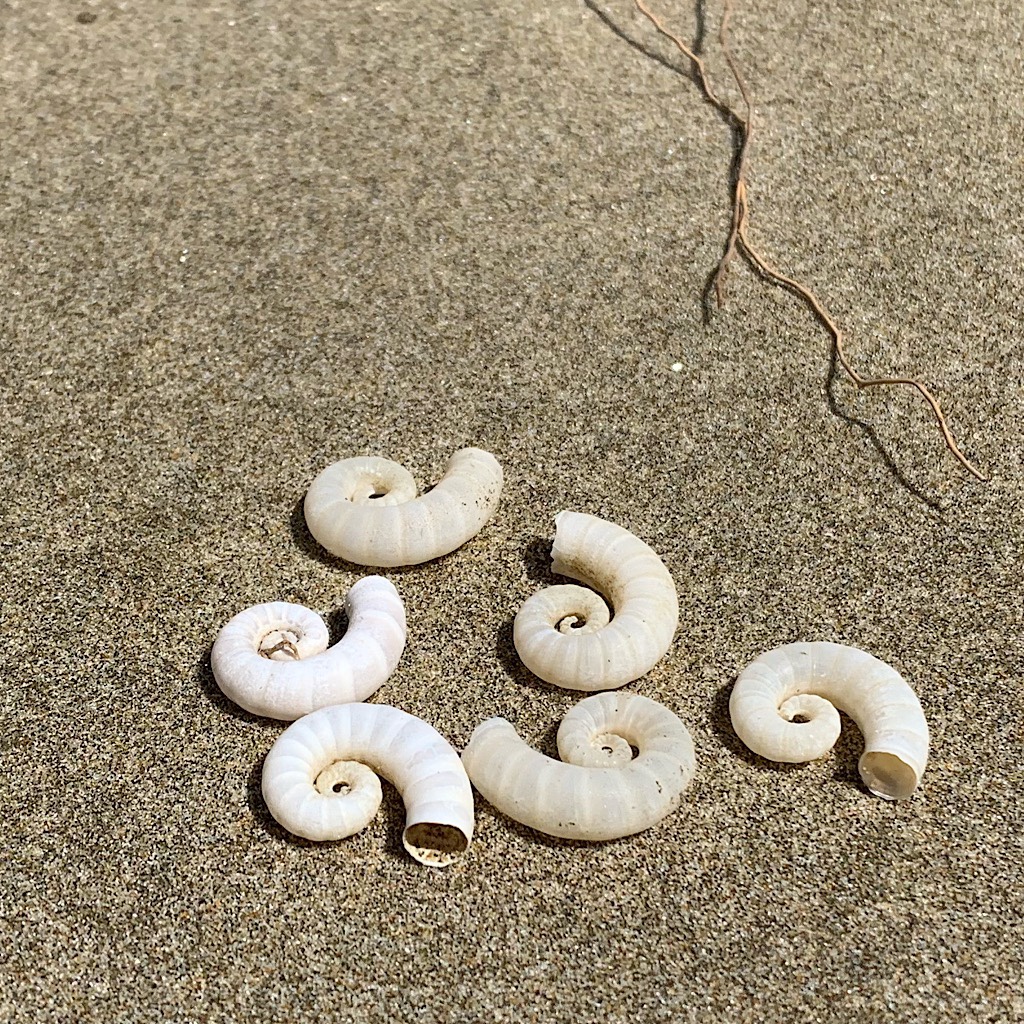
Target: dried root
point(738, 240)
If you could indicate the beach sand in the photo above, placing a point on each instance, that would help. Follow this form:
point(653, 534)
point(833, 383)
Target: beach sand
point(241, 241)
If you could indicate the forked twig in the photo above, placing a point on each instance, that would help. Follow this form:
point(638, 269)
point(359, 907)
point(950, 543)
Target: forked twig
point(738, 240)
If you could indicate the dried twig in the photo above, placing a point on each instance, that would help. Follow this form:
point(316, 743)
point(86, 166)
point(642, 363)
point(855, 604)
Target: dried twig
point(738, 240)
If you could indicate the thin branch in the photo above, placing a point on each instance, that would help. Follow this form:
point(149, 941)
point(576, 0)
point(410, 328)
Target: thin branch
point(738, 240)
point(698, 64)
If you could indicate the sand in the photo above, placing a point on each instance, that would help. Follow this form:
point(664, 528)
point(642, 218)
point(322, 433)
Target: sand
point(240, 241)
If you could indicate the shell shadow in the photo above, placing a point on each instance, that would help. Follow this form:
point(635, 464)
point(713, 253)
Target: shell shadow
point(261, 813)
point(537, 558)
point(845, 757)
point(207, 685)
point(548, 742)
point(337, 625)
point(720, 722)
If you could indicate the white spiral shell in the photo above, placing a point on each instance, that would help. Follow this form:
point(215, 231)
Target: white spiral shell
point(598, 790)
point(365, 509)
point(273, 659)
point(564, 634)
point(784, 703)
point(316, 779)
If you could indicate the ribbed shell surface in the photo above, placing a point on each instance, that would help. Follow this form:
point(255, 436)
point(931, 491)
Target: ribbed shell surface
point(405, 750)
point(635, 581)
point(292, 683)
point(584, 800)
point(811, 681)
point(399, 528)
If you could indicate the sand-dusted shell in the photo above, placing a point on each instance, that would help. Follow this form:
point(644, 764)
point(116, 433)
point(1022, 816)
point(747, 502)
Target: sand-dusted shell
point(784, 703)
point(316, 779)
point(598, 790)
point(366, 511)
point(273, 659)
point(565, 634)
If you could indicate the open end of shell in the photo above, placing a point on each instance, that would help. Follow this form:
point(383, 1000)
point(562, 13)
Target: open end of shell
point(434, 844)
point(888, 776)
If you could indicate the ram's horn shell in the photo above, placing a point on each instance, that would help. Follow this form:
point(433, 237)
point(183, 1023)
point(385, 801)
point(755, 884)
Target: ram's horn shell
point(408, 752)
point(563, 634)
point(784, 703)
point(365, 509)
point(598, 790)
point(273, 659)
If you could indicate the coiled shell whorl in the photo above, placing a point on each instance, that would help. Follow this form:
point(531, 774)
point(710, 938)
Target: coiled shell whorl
point(316, 779)
point(598, 791)
point(784, 707)
point(273, 659)
point(565, 635)
point(366, 511)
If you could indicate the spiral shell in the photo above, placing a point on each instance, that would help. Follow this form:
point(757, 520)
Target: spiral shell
point(598, 790)
point(784, 707)
point(273, 659)
point(316, 779)
point(365, 509)
point(565, 635)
